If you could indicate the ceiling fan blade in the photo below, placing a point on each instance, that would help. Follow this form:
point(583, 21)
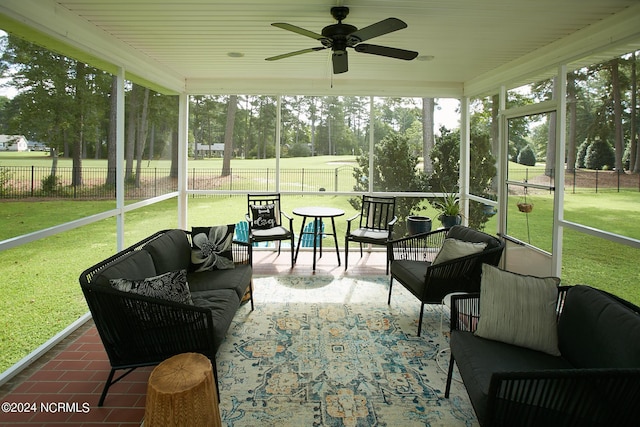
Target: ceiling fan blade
point(390, 52)
point(298, 30)
point(340, 62)
point(297, 52)
point(385, 26)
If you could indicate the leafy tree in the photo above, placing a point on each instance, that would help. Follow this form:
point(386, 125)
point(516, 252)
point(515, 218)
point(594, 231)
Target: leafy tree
point(395, 168)
point(446, 167)
point(446, 162)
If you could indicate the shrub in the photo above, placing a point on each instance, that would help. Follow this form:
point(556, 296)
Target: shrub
point(599, 155)
point(51, 184)
point(582, 153)
point(299, 150)
point(5, 178)
point(527, 157)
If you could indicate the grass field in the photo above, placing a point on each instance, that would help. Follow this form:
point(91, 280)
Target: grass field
point(41, 293)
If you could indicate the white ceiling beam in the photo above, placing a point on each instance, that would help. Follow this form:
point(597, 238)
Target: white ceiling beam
point(326, 86)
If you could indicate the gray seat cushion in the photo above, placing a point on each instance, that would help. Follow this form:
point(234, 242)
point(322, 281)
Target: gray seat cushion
point(478, 358)
point(410, 274)
point(370, 234)
point(236, 279)
point(223, 304)
point(270, 232)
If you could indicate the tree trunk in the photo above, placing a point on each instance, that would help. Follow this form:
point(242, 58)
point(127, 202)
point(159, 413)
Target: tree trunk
point(111, 137)
point(174, 154)
point(228, 134)
point(152, 142)
point(54, 161)
point(142, 135)
point(617, 114)
point(428, 137)
point(78, 140)
point(131, 132)
point(634, 158)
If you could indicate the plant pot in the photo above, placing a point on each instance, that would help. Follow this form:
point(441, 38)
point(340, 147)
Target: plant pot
point(450, 220)
point(489, 210)
point(418, 224)
point(525, 207)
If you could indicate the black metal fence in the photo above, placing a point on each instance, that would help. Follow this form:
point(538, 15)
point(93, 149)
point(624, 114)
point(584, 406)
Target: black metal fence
point(20, 182)
point(580, 180)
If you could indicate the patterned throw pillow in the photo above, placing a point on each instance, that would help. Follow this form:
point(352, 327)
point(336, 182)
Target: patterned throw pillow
point(454, 248)
point(264, 216)
point(171, 286)
point(212, 247)
point(519, 310)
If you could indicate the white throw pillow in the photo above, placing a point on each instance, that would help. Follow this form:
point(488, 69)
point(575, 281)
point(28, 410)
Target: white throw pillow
point(519, 310)
point(454, 248)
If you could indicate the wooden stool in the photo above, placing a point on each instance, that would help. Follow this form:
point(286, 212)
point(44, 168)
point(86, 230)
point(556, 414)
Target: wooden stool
point(181, 392)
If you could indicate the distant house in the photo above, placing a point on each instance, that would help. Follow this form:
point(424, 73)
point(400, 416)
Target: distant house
point(13, 143)
point(37, 146)
point(208, 149)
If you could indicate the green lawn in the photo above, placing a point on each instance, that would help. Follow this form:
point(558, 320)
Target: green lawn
point(41, 293)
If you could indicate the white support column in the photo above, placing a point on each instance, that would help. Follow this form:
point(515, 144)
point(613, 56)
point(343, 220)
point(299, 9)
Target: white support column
point(183, 152)
point(278, 136)
point(465, 158)
point(560, 92)
point(120, 159)
point(503, 163)
point(371, 145)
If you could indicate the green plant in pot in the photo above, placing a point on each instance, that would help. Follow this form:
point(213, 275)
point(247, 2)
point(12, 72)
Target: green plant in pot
point(449, 207)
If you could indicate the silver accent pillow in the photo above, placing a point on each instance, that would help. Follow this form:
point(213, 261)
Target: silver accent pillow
point(519, 310)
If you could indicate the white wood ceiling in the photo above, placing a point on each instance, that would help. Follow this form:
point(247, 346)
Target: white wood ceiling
point(467, 44)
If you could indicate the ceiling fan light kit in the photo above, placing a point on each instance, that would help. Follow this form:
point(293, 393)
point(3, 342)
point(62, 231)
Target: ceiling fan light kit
point(338, 37)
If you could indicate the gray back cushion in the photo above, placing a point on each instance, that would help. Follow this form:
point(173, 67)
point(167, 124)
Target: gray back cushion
point(597, 331)
point(467, 234)
point(133, 266)
point(171, 251)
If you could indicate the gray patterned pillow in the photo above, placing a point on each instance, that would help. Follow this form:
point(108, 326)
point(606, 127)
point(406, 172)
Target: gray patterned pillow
point(171, 286)
point(519, 310)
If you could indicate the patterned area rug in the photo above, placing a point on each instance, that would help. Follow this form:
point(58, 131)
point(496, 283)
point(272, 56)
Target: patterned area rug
point(319, 351)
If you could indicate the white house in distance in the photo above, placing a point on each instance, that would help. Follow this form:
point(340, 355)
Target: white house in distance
point(13, 143)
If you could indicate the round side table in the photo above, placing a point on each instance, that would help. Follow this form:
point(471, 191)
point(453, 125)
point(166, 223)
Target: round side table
point(182, 392)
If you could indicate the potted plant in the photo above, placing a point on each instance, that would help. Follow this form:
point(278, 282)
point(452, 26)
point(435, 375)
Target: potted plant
point(417, 224)
point(449, 208)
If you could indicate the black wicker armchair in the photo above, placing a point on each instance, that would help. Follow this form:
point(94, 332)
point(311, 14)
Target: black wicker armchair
point(138, 330)
point(412, 265)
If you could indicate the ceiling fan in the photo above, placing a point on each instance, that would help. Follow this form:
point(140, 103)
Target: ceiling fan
point(338, 37)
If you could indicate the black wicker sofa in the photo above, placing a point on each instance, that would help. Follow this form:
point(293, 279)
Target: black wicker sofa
point(593, 381)
point(142, 330)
